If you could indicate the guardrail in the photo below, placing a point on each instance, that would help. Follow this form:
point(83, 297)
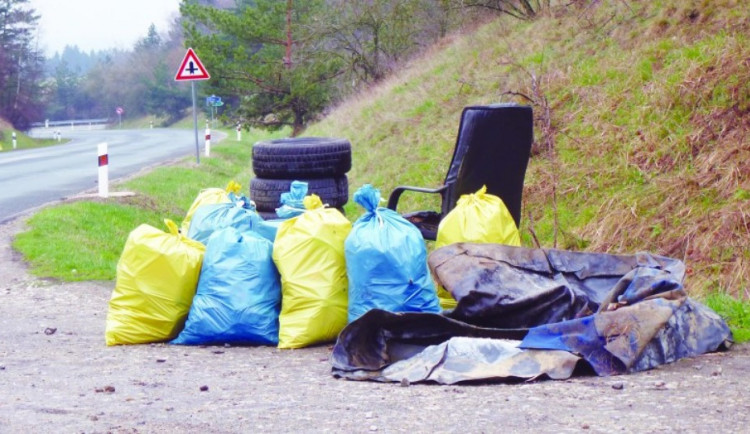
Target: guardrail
point(71, 122)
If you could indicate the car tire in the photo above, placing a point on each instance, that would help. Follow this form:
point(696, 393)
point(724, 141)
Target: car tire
point(302, 157)
point(266, 193)
point(268, 215)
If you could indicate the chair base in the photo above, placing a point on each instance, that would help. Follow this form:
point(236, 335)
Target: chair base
point(426, 221)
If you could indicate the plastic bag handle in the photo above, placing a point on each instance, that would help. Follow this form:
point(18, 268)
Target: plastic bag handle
point(172, 226)
point(312, 202)
point(175, 230)
point(234, 187)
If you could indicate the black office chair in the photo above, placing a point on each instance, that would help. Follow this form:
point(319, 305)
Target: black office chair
point(492, 149)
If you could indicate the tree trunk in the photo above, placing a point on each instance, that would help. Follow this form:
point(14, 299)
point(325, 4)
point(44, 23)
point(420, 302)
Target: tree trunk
point(299, 123)
point(288, 57)
point(18, 86)
point(376, 53)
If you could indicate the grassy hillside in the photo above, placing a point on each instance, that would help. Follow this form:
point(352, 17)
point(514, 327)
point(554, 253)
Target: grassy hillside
point(642, 127)
point(641, 135)
point(6, 136)
point(641, 143)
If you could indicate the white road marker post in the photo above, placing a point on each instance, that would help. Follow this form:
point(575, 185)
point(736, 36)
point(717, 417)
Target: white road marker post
point(14, 140)
point(103, 170)
point(208, 141)
point(239, 131)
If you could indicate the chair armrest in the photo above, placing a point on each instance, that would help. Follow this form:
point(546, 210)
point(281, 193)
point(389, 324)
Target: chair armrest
point(398, 191)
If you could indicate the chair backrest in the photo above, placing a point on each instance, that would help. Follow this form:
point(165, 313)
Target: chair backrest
point(492, 149)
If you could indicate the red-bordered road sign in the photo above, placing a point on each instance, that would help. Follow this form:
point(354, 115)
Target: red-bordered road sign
point(191, 68)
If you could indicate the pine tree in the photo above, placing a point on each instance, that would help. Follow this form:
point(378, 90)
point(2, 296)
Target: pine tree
point(264, 52)
point(21, 64)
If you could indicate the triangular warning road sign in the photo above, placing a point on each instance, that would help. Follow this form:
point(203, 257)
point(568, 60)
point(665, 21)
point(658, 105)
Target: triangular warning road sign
point(191, 68)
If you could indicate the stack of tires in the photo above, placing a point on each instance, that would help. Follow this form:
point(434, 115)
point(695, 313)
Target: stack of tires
point(322, 162)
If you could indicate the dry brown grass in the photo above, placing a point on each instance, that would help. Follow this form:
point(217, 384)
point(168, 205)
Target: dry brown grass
point(649, 115)
point(691, 199)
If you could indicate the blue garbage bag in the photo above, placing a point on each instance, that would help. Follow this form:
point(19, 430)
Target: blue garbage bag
point(386, 262)
point(291, 201)
point(239, 213)
point(238, 298)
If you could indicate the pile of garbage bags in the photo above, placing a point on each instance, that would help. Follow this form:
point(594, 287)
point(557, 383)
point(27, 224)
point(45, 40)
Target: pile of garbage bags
point(479, 307)
point(230, 277)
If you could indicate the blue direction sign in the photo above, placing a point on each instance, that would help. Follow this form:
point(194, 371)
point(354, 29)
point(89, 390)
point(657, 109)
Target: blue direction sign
point(214, 101)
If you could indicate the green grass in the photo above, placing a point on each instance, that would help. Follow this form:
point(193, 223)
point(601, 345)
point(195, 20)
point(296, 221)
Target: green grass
point(735, 312)
point(161, 122)
point(83, 240)
point(145, 122)
point(23, 141)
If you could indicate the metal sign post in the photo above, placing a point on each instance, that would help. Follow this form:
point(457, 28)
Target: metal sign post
point(195, 125)
point(213, 101)
point(192, 69)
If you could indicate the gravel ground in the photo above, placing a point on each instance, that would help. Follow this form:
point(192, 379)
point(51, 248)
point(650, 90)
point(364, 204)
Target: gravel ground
point(57, 375)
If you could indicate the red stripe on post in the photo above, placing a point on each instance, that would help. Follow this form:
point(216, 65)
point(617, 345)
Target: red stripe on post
point(208, 136)
point(103, 160)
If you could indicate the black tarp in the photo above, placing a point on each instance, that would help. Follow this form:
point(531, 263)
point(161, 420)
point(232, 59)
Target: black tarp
point(523, 313)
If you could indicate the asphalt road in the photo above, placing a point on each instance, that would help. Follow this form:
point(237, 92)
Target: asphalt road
point(32, 177)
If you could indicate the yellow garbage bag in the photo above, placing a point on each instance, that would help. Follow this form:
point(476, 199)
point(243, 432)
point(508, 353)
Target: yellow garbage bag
point(477, 218)
point(309, 254)
point(156, 279)
point(209, 196)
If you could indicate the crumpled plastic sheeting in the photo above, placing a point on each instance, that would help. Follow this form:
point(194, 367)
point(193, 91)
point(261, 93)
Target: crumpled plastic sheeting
point(511, 287)
point(379, 338)
point(620, 313)
point(414, 347)
point(634, 334)
point(465, 359)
